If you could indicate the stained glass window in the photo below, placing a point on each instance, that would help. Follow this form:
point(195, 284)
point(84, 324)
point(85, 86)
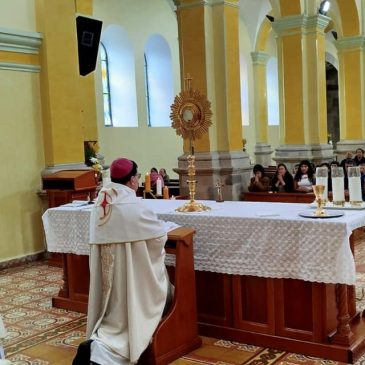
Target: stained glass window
point(108, 120)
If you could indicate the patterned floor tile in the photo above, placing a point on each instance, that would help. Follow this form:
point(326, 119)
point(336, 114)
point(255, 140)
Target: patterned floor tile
point(16, 334)
point(39, 334)
point(298, 359)
point(69, 339)
point(21, 359)
point(22, 298)
point(17, 314)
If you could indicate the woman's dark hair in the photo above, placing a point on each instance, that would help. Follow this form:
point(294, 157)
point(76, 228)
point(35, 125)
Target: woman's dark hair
point(260, 168)
point(126, 178)
point(281, 164)
point(299, 173)
point(360, 149)
point(153, 169)
point(326, 164)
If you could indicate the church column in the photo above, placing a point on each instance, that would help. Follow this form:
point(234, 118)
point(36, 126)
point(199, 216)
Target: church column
point(262, 148)
point(208, 31)
point(302, 89)
point(68, 101)
point(351, 94)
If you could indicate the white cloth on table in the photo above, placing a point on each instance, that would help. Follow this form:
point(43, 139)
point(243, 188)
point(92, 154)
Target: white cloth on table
point(233, 239)
point(128, 280)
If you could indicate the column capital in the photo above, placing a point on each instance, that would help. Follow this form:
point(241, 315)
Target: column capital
point(259, 58)
point(185, 4)
point(299, 24)
point(350, 43)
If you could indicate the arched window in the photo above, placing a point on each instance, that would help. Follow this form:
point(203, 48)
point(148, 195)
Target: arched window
point(122, 78)
point(273, 114)
point(158, 81)
point(244, 90)
point(108, 120)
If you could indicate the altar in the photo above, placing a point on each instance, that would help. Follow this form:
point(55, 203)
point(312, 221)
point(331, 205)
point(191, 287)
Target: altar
point(264, 275)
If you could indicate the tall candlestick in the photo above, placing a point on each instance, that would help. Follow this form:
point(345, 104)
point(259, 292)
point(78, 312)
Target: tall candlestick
point(355, 189)
point(166, 194)
point(147, 183)
point(338, 191)
point(158, 186)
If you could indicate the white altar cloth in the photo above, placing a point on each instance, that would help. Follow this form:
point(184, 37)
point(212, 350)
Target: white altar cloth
point(242, 238)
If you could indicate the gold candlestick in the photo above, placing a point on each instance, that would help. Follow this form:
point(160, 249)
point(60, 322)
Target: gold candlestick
point(319, 191)
point(219, 185)
point(192, 205)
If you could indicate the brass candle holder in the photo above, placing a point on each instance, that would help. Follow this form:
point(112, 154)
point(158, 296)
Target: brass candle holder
point(320, 200)
point(192, 205)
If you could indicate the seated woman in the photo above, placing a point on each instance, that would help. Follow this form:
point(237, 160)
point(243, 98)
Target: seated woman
point(166, 178)
point(359, 157)
point(259, 182)
point(154, 175)
point(304, 178)
point(282, 181)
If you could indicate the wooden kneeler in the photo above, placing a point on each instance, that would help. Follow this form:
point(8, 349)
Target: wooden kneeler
point(177, 333)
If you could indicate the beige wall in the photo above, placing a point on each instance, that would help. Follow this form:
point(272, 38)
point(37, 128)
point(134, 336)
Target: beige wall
point(158, 147)
point(22, 162)
point(17, 14)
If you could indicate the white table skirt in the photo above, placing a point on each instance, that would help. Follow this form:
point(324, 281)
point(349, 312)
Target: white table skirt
point(242, 238)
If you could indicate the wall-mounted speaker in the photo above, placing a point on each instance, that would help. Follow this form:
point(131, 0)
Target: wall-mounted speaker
point(88, 38)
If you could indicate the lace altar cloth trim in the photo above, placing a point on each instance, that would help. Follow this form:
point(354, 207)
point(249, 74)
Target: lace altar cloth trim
point(241, 242)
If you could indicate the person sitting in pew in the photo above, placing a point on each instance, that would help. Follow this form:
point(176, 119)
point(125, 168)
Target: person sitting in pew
point(259, 182)
point(304, 178)
point(166, 178)
point(129, 285)
point(154, 175)
point(282, 181)
point(359, 157)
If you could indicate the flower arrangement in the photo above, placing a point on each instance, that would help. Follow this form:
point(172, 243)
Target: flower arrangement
point(91, 149)
point(95, 164)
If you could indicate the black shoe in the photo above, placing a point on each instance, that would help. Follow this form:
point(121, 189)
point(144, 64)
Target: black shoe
point(83, 353)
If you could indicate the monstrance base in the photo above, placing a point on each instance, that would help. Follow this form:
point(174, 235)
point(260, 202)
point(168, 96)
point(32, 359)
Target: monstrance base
point(192, 206)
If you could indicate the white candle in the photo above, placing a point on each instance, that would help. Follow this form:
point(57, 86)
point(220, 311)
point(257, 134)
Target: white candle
point(338, 191)
point(323, 181)
point(159, 186)
point(355, 189)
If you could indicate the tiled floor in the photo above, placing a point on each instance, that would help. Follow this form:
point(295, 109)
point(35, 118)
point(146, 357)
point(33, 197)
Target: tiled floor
point(41, 335)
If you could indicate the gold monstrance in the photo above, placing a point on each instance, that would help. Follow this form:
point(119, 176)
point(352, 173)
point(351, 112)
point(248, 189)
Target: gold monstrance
point(191, 118)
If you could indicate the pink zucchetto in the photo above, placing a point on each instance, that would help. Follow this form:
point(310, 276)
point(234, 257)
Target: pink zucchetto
point(120, 168)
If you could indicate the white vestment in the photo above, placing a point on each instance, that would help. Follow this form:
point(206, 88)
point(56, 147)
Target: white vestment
point(128, 280)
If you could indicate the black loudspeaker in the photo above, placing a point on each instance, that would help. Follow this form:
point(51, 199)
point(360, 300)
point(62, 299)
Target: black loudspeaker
point(88, 38)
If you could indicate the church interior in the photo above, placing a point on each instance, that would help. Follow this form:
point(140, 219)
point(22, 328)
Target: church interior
point(284, 81)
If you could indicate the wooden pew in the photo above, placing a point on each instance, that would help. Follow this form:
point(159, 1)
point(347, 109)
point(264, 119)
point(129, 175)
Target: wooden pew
point(278, 197)
point(177, 334)
point(270, 171)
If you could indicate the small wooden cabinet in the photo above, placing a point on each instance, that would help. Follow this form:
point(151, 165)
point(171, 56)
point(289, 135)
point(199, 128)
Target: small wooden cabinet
point(64, 186)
